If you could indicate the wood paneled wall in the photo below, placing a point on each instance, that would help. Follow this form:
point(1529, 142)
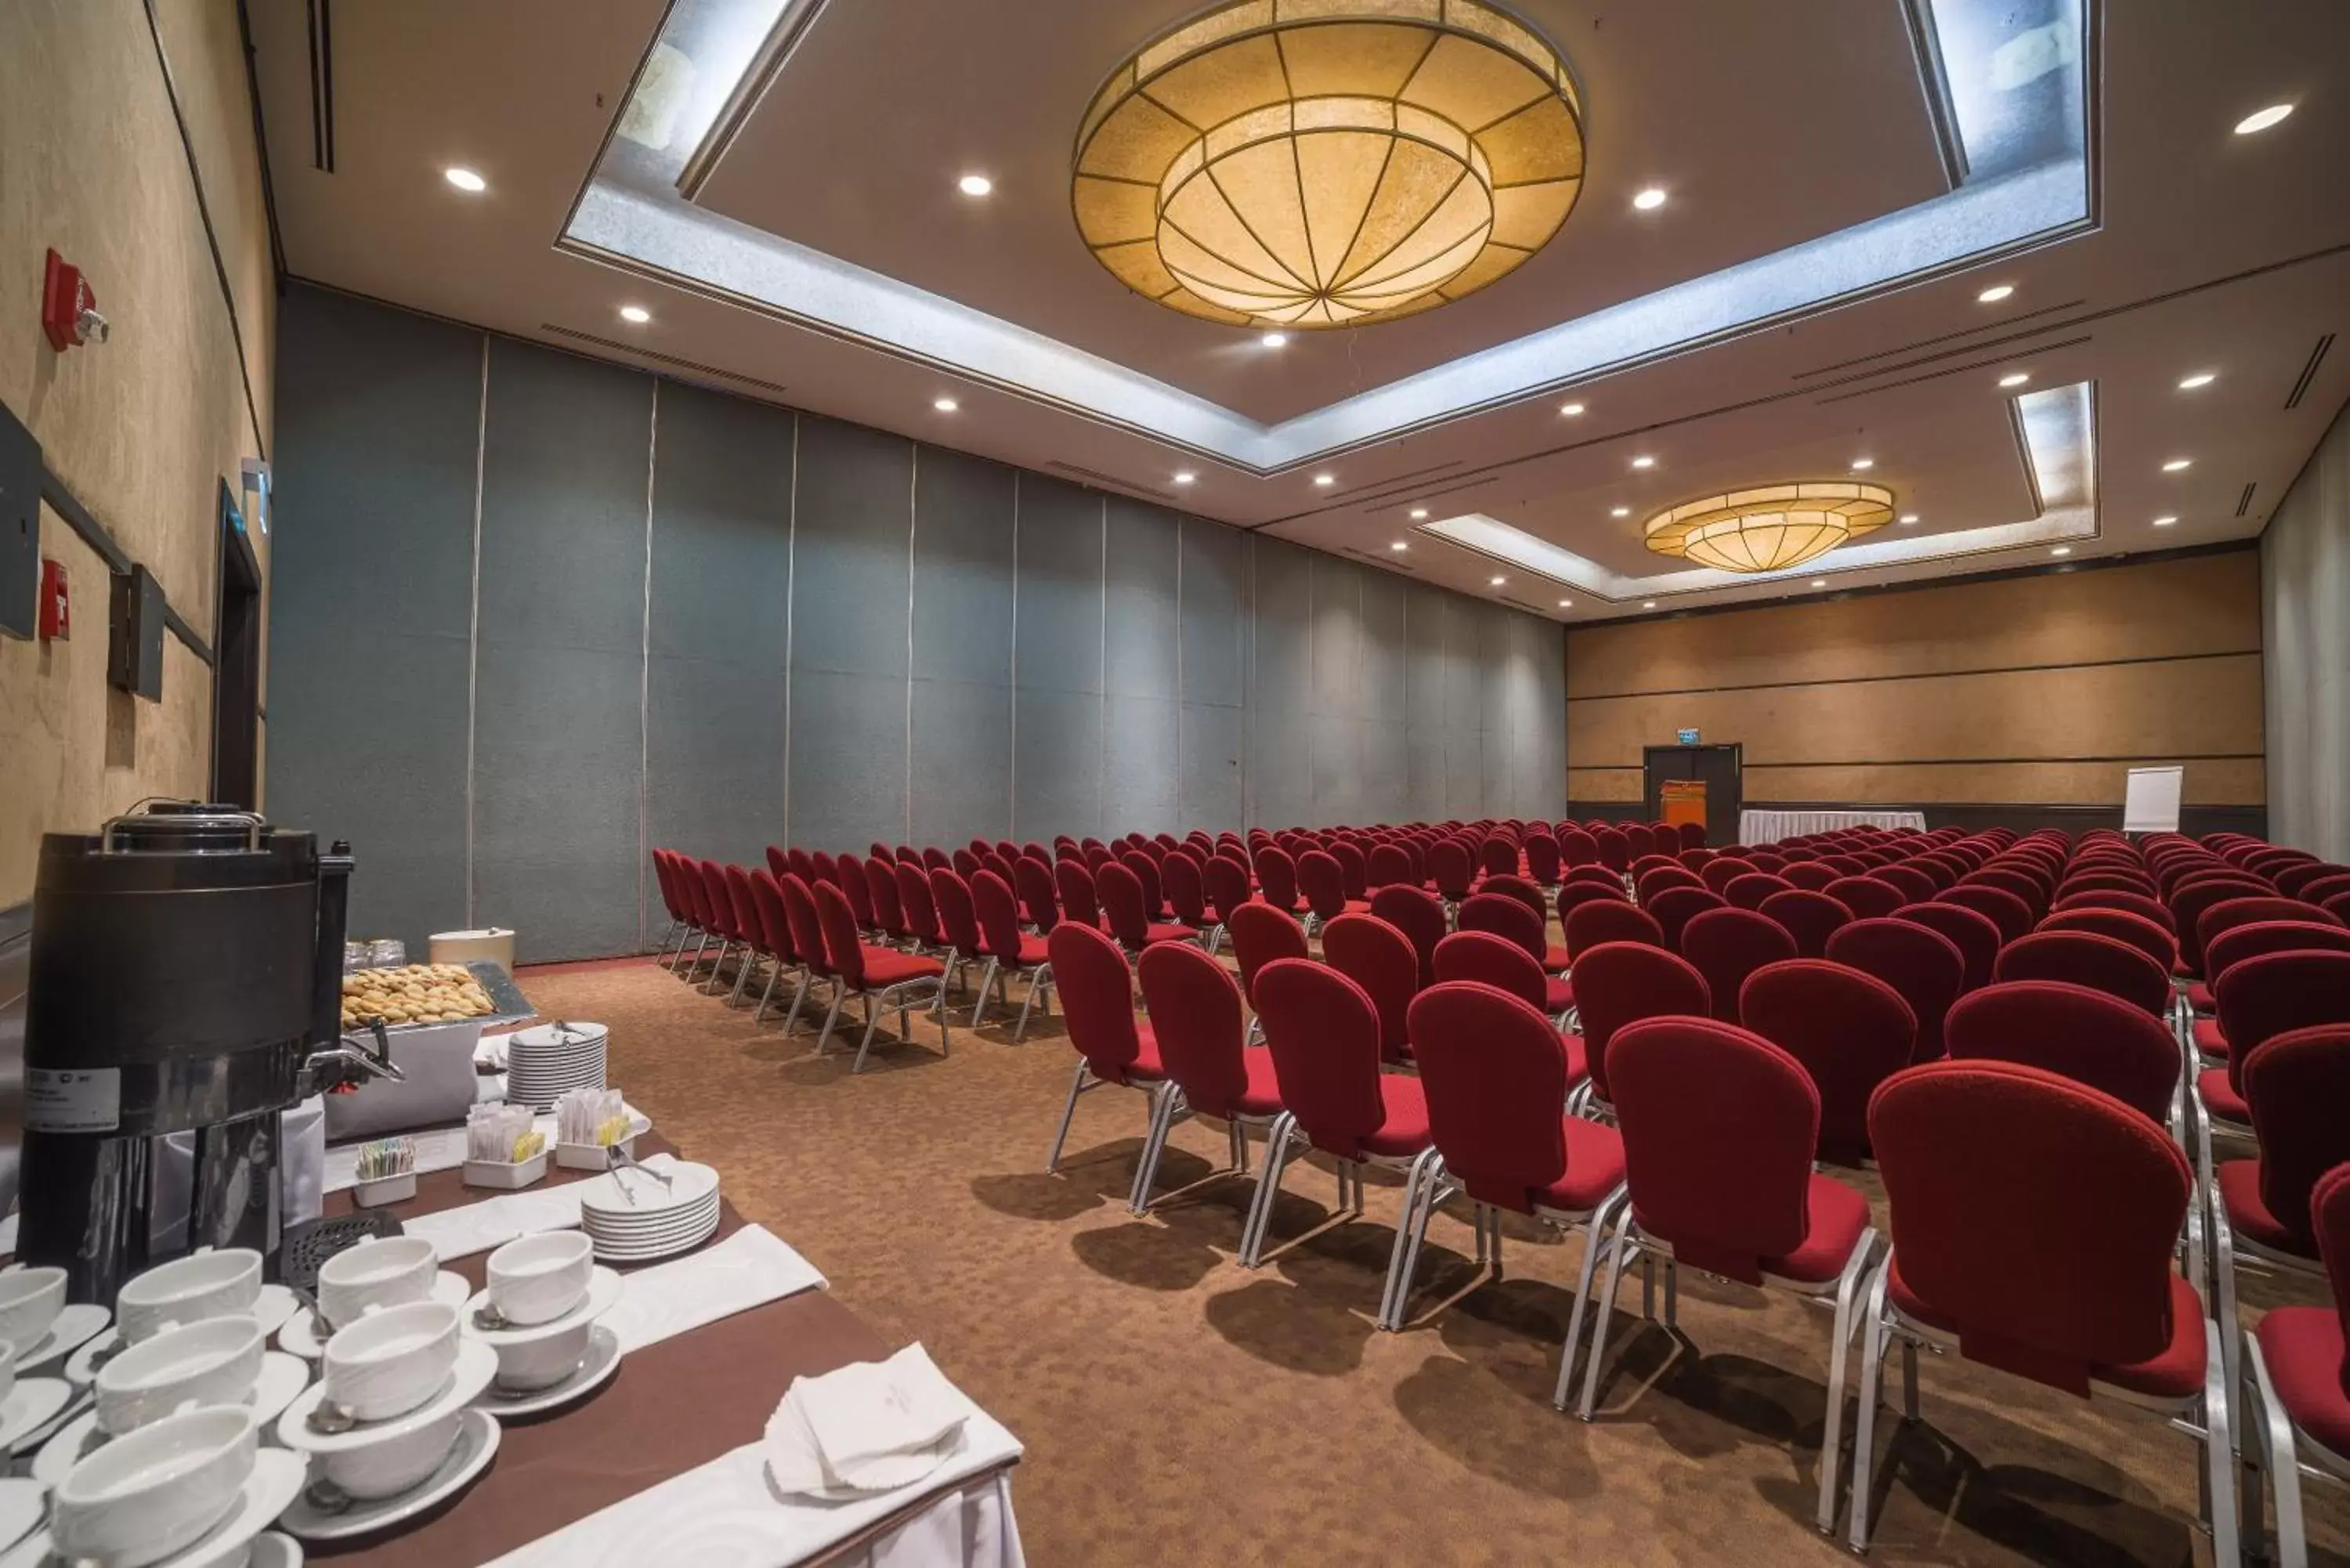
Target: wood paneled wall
point(2041, 689)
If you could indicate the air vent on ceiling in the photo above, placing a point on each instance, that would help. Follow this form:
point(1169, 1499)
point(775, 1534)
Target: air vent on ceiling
point(1385, 562)
point(1101, 480)
point(322, 84)
point(2244, 501)
point(1412, 496)
point(674, 361)
point(2015, 329)
point(2309, 371)
point(1394, 482)
point(1968, 368)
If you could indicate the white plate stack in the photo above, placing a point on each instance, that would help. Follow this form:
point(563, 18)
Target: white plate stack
point(633, 1218)
point(546, 1063)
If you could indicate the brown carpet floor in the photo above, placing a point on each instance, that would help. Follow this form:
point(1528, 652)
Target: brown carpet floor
point(1178, 1409)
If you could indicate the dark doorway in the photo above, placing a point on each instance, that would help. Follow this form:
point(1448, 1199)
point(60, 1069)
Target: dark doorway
point(236, 664)
point(1719, 766)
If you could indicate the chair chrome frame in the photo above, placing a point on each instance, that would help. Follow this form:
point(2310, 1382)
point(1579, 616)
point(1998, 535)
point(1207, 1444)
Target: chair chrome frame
point(2275, 1445)
point(2204, 1416)
point(1282, 1134)
point(900, 997)
point(1156, 1089)
point(1166, 1111)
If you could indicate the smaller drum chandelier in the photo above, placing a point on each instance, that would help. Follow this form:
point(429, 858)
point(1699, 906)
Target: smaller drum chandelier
point(1770, 528)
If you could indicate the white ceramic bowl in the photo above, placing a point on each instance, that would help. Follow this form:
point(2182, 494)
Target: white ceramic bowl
point(539, 1278)
point(388, 1271)
point(391, 1361)
point(30, 1299)
point(215, 1362)
point(188, 1290)
point(148, 1495)
point(543, 1361)
point(396, 1464)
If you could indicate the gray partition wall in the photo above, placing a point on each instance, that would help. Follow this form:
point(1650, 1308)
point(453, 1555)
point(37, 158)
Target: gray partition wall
point(533, 614)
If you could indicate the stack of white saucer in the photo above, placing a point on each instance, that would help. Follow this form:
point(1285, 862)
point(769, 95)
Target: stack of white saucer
point(538, 1313)
point(633, 1216)
point(546, 1063)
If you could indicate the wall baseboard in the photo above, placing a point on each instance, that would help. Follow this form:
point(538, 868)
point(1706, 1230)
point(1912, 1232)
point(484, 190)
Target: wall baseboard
point(2019, 816)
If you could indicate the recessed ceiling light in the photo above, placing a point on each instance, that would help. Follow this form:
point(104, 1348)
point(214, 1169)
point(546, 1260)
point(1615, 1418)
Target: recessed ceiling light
point(1819, 582)
point(1996, 293)
point(2201, 379)
point(1648, 604)
point(1274, 339)
point(1400, 545)
point(1186, 477)
point(635, 315)
point(1499, 581)
point(974, 184)
point(2062, 550)
point(2165, 521)
point(2262, 119)
point(1566, 603)
point(1418, 513)
point(2178, 464)
point(1909, 518)
point(945, 405)
point(1570, 410)
point(1863, 464)
point(1644, 461)
point(464, 178)
point(2015, 377)
point(1649, 200)
point(1619, 512)
point(1325, 479)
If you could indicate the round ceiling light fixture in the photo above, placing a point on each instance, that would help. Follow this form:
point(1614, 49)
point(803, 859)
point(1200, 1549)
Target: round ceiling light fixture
point(1316, 163)
point(1770, 528)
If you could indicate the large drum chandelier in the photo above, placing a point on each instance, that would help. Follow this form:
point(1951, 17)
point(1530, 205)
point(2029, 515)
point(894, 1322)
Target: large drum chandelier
point(1771, 527)
point(1306, 163)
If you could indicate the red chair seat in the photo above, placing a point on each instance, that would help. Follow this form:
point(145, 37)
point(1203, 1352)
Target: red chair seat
point(2303, 1348)
point(1578, 1061)
point(1358, 907)
point(1033, 951)
point(1595, 1168)
point(2200, 997)
point(2209, 1040)
point(1263, 1096)
point(1405, 1131)
point(1153, 932)
point(887, 967)
point(1147, 1066)
point(2219, 1096)
point(1838, 1215)
point(2176, 1373)
point(1558, 995)
point(1554, 960)
point(2247, 1216)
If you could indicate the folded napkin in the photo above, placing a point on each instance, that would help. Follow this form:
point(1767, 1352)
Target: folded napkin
point(750, 1268)
point(872, 1426)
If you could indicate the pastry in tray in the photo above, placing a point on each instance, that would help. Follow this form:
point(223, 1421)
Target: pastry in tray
point(416, 994)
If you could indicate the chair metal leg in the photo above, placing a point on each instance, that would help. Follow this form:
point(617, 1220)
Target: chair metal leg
point(1908, 1379)
point(774, 975)
point(979, 1003)
point(1624, 1240)
point(1431, 1193)
point(799, 996)
point(1078, 1085)
point(1874, 1332)
point(1040, 981)
point(2280, 1455)
point(1268, 1190)
point(873, 1012)
point(2219, 1447)
point(748, 962)
point(1832, 1439)
point(1415, 1183)
point(1166, 1104)
point(839, 995)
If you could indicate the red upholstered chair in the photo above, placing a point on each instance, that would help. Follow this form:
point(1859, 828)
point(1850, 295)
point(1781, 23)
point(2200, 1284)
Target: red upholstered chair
point(1572, 895)
point(2155, 942)
point(776, 931)
point(1354, 872)
point(958, 914)
point(1589, 924)
point(1146, 873)
point(1261, 933)
point(1079, 894)
point(1640, 838)
point(1719, 872)
point(856, 884)
point(1769, 860)
point(1924, 966)
point(1579, 848)
point(2318, 890)
point(1009, 951)
point(1504, 916)
point(2008, 879)
point(1097, 992)
point(1974, 933)
point(670, 903)
point(881, 978)
point(779, 864)
point(2011, 914)
point(1496, 960)
point(2238, 943)
point(2230, 913)
point(914, 898)
point(1870, 897)
point(1187, 891)
point(1196, 1020)
point(2087, 959)
point(1322, 883)
point(1675, 907)
point(1851, 1031)
point(1593, 876)
point(1691, 834)
point(1617, 982)
point(1725, 945)
point(1543, 862)
point(717, 910)
point(809, 944)
point(1811, 875)
point(2296, 1085)
point(1276, 880)
point(1659, 878)
point(1510, 883)
point(930, 859)
point(1123, 912)
point(2190, 899)
point(1451, 869)
point(1614, 845)
point(1718, 1127)
point(963, 861)
point(1498, 855)
point(2297, 1383)
point(1038, 883)
point(2034, 1223)
point(1227, 880)
point(1810, 917)
point(1748, 891)
point(1389, 867)
point(1420, 916)
point(1377, 957)
point(1324, 1033)
point(2087, 1035)
point(2135, 882)
point(801, 864)
point(1494, 1075)
point(2264, 996)
point(889, 909)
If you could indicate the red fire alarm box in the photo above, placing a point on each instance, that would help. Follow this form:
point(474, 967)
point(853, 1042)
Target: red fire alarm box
point(69, 307)
point(56, 615)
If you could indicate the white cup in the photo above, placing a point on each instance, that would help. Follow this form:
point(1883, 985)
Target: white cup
point(215, 1362)
point(544, 1360)
point(395, 1465)
point(150, 1494)
point(202, 1286)
point(392, 1360)
point(388, 1271)
point(30, 1299)
point(539, 1278)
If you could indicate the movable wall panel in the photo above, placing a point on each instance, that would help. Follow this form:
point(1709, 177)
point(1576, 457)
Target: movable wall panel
point(2305, 608)
point(589, 612)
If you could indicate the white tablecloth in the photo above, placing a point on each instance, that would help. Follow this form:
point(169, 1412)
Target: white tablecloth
point(1769, 826)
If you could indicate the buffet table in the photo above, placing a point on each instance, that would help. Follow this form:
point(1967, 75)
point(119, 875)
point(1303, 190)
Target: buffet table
point(1764, 826)
point(672, 1407)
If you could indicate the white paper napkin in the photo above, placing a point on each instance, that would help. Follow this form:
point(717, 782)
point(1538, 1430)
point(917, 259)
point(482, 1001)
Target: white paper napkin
point(494, 1221)
point(750, 1268)
point(872, 1426)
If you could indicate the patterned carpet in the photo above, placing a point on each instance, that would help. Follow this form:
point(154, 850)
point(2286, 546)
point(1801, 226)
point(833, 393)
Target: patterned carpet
point(1179, 1409)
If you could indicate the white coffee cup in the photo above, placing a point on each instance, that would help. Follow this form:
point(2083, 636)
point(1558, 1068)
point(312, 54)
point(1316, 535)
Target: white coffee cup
point(30, 1299)
point(393, 1466)
point(388, 1271)
point(392, 1360)
point(215, 1362)
point(149, 1494)
point(543, 1360)
point(539, 1278)
point(202, 1286)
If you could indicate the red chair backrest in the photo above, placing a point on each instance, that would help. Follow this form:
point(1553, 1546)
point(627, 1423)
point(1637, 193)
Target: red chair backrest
point(1719, 872)
point(2318, 889)
point(2087, 1034)
point(1504, 916)
point(716, 901)
point(1354, 869)
point(1659, 878)
point(1227, 877)
point(2296, 1088)
point(1120, 891)
point(2103, 881)
point(951, 896)
point(1489, 960)
point(1494, 1072)
point(2190, 898)
point(1450, 867)
point(998, 908)
point(1691, 834)
point(856, 885)
point(1810, 917)
point(1073, 880)
point(1675, 907)
point(1324, 1033)
point(2329, 1205)
point(1577, 847)
point(2087, 959)
point(1376, 956)
point(827, 870)
point(1972, 932)
point(669, 900)
point(914, 898)
point(841, 944)
point(1389, 865)
point(1324, 882)
point(1718, 1130)
point(1145, 876)
point(1922, 964)
point(809, 944)
point(1640, 838)
point(2238, 943)
point(2230, 913)
point(1186, 885)
point(1498, 855)
point(2261, 997)
point(889, 909)
point(802, 865)
point(1097, 994)
point(1812, 875)
point(1599, 920)
point(2037, 1214)
point(1748, 891)
point(1195, 1017)
point(1851, 1031)
point(1510, 885)
point(1276, 877)
point(2011, 914)
point(1914, 885)
point(2028, 890)
point(1036, 883)
point(746, 910)
point(1617, 982)
point(1543, 859)
point(1615, 848)
point(1870, 897)
point(1416, 913)
point(1261, 933)
point(774, 920)
point(2152, 909)
point(1725, 945)
point(2121, 925)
